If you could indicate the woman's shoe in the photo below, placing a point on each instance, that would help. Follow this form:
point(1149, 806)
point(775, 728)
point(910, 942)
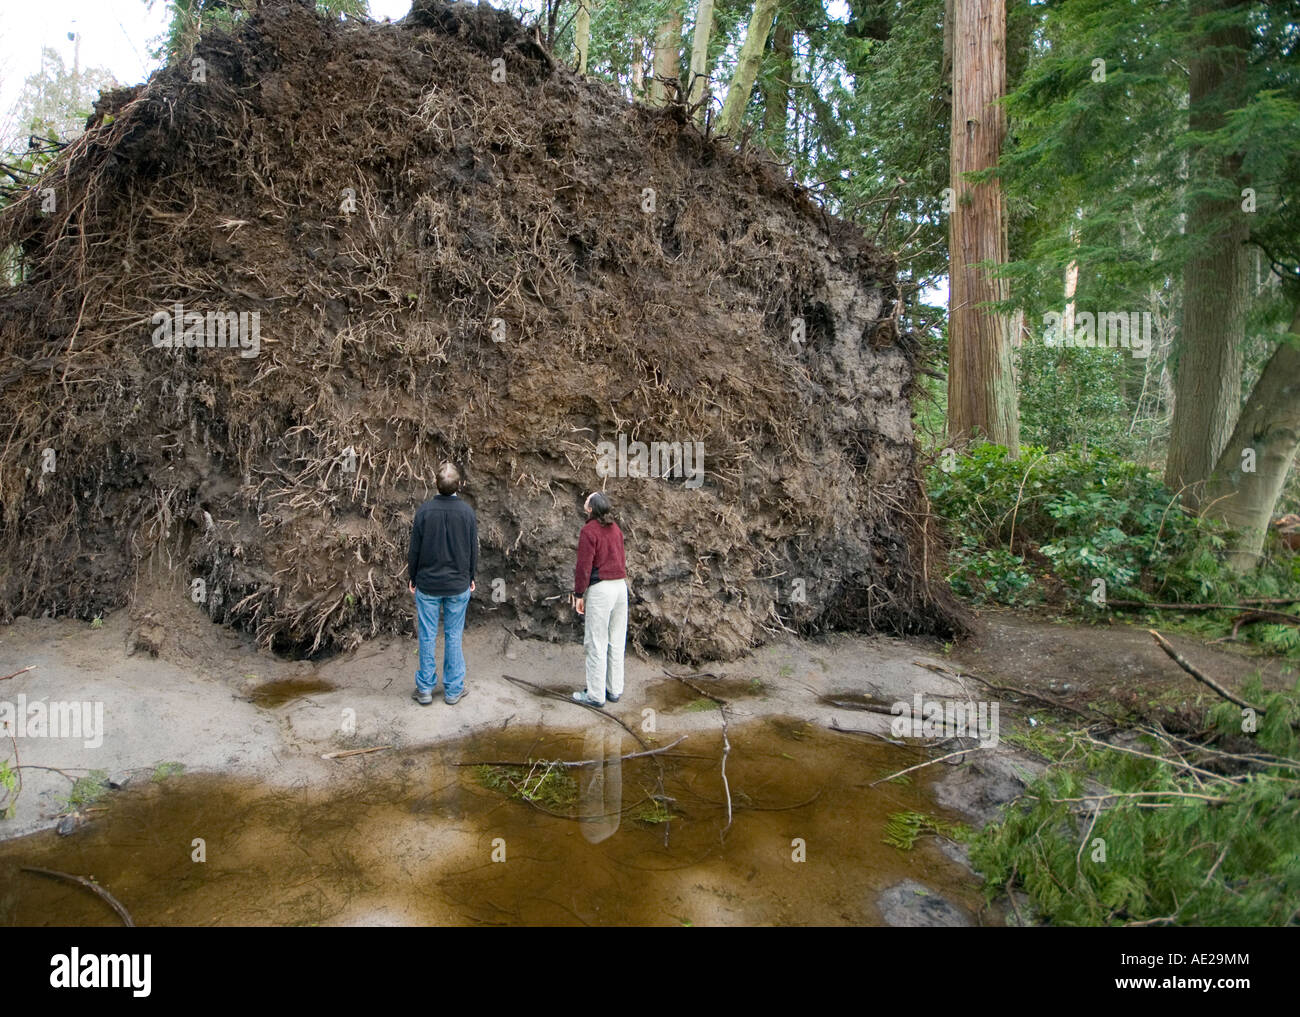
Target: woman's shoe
point(585, 700)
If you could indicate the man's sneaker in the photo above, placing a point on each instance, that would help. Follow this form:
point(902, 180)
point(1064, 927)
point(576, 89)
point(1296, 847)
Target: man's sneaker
point(611, 698)
point(453, 700)
point(423, 698)
point(585, 700)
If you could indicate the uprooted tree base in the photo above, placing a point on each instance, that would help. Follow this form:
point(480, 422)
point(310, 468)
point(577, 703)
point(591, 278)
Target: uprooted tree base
point(447, 265)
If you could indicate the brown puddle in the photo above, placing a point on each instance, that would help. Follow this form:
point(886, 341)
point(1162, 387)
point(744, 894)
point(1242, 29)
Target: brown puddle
point(410, 838)
point(274, 694)
point(856, 701)
point(670, 694)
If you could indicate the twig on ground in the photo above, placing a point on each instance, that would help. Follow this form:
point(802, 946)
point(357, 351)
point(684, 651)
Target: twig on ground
point(1215, 799)
point(1200, 676)
point(553, 694)
point(929, 762)
point(345, 753)
point(1159, 759)
point(1020, 919)
point(90, 885)
point(1280, 616)
point(726, 744)
point(1042, 697)
point(570, 762)
point(834, 726)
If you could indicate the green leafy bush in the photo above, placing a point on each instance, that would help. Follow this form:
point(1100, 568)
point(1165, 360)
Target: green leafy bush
point(1046, 526)
point(1087, 515)
point(990, 575)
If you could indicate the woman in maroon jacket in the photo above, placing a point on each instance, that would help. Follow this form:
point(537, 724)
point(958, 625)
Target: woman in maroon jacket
point(600, 596)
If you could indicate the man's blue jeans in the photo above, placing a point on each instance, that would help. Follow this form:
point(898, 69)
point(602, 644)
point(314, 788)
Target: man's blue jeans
point(452, 610)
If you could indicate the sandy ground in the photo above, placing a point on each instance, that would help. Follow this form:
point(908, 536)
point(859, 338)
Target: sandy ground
point(193, 703)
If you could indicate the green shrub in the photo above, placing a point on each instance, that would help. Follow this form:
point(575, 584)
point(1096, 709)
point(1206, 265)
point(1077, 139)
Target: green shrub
point(1218, 850)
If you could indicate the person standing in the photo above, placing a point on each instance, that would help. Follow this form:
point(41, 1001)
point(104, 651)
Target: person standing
point(442, 562)
point(600, 596)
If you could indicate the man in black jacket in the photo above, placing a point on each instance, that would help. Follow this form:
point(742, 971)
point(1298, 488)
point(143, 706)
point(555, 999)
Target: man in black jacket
point(442, 563)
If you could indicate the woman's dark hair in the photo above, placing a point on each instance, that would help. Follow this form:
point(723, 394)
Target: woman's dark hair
point(601, 510)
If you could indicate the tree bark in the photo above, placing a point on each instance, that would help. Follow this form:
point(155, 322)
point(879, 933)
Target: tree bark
point(699, 87)
point(582, 35)
point(668, 55)
point(945, 69)
point(981, 378)
point(1270, 425)
point(638, 67)
point(751, 55)
point(776, 93)
point(1071, 287)
point(1208, 360)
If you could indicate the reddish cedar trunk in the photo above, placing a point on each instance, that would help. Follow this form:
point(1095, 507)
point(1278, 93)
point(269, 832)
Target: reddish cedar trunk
point(981, 380)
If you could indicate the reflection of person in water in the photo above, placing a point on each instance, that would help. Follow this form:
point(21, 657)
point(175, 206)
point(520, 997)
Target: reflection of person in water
point(600, 596)
point(601, 784)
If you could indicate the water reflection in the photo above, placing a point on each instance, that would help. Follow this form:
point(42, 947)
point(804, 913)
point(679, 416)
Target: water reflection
point(600, 784)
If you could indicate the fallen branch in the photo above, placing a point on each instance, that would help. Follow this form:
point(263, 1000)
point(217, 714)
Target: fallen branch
point(930, 762)
point(29, 667)
point(1280, 616)
point(726, 744)
point(1196, 771)
point(1253, 616)
point(834, 726)
point(571, 762)
point(841, 704)
point(544, 691)
point(1215, 799)
point(345, 753)
point(90, 885)
point(1200, 676)
point(1042, 697)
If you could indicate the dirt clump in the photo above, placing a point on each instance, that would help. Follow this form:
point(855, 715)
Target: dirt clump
point(435, 241)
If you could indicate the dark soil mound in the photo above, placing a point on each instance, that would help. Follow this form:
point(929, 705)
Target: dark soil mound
point(445, 265)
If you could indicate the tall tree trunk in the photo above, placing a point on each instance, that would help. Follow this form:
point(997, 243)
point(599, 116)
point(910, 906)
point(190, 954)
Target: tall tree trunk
point(638, 67)
point(668, 54)
point(751, 55)
point(949, 18)
point(1208, 360)
point(582, 35)
point(776, 94)
point(981, 378)
point(699, 86)
point(1071, 287)
point(1270, 426)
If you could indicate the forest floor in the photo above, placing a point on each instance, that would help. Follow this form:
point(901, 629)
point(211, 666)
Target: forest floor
point(406, 835)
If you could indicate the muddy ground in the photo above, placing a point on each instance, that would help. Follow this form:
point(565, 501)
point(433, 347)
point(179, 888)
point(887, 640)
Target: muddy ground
point(407, 835)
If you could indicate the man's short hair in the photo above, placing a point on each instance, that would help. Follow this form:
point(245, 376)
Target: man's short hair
point(448, 479)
